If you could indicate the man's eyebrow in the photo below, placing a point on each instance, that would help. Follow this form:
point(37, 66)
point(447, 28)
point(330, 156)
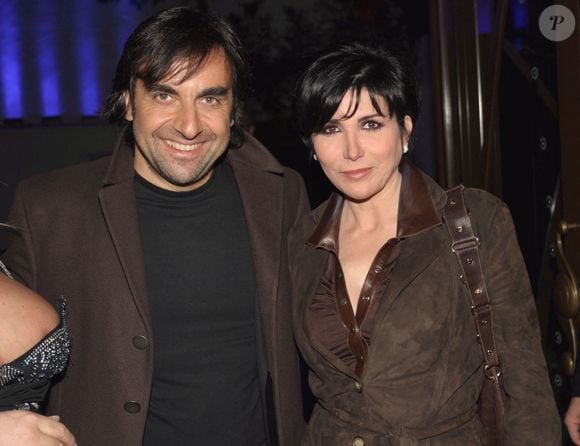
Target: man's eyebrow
point(161, 88)
point(214, 91)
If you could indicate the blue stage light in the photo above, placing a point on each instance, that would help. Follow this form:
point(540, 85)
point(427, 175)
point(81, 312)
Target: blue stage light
point(11, 71)
point(47, 59)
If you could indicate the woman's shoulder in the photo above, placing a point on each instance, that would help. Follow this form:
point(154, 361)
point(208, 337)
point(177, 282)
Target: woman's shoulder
point(486, 210)
point(25, 318)
point(481, 199)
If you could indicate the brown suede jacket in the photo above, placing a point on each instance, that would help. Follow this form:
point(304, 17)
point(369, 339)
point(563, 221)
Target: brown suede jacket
point(424, 371)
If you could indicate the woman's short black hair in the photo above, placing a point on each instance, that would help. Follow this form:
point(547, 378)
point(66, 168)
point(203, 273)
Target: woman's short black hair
point(175, 34)
point(353, 67)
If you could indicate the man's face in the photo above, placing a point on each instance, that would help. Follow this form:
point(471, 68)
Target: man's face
point(182, 126)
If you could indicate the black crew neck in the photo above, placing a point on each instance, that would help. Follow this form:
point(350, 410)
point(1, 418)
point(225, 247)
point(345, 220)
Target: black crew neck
point(203, 189)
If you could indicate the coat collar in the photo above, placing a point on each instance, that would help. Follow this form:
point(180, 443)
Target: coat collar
point(121, 166)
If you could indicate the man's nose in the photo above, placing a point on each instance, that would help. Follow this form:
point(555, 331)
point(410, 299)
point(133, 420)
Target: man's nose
point(187, 122)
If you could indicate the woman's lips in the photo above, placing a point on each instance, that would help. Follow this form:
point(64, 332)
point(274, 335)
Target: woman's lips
point(355, 174)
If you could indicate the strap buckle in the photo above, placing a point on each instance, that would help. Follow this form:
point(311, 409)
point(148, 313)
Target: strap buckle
point(460, 245)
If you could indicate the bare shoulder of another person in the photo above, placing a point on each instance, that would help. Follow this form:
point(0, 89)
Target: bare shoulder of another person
point(25, 318)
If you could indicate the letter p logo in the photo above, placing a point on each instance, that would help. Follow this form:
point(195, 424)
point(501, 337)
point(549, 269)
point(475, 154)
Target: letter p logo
point(557, 23)
point(557, 20)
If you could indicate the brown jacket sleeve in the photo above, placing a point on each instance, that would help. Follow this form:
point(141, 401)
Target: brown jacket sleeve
point(532, 417)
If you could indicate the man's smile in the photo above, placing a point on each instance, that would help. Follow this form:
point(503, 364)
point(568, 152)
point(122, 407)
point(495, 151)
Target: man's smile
point(182, 147)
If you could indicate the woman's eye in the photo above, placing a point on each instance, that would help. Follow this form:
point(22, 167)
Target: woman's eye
point(329, 130)
point(371, 125)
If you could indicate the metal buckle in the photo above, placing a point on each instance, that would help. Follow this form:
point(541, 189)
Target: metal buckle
point(481, 309)
point(472, 242)
point(492, 373)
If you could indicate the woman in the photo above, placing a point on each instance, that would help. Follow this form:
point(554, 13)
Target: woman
point(381, 314)
point(34, 347)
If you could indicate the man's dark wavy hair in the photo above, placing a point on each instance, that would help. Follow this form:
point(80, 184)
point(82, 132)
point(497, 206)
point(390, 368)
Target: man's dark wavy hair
point(179, 33)
point(354, 66)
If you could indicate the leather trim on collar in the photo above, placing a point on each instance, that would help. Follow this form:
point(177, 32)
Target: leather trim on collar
point(325, 233)
point(416, 209)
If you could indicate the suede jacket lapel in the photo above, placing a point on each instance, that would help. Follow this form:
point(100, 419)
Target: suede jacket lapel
point(420, 206)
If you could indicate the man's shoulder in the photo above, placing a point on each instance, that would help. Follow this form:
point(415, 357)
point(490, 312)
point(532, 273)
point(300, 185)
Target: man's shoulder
point(308, 221)
point(254, 155)
point(89, 172)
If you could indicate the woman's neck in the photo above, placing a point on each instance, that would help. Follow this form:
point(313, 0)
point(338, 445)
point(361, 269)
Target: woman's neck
point(376, 213)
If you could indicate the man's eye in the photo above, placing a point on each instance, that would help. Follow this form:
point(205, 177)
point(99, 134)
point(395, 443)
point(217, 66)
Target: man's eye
point(210, 100)
point(163, 97)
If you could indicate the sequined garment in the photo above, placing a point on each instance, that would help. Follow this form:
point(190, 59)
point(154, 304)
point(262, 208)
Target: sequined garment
point(24, 382)
point(46, 359)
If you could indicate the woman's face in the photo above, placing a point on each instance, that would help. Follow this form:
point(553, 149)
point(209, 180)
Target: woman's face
point(360, 155)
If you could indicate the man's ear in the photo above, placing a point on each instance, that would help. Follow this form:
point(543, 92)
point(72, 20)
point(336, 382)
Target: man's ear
point(128, 106)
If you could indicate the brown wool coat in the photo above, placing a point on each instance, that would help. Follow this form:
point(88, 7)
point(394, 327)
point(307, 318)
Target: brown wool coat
point(81, 240)
point(424, 370)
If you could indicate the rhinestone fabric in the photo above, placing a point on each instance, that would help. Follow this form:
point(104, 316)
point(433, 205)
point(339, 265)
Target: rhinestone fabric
point(5, 270)
point(46, 359)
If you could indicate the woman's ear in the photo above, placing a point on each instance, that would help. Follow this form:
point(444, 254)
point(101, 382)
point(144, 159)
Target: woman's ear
point(408, 124)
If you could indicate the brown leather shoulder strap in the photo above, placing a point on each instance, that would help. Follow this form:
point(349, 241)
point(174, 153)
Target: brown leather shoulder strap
point(465, 245)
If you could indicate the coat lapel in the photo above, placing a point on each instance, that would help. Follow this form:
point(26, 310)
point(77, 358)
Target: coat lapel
point(118, 204)
point(421, 233)
point(259, 180)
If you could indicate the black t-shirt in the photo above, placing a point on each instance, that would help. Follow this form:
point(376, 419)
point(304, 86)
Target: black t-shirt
point(202, 296)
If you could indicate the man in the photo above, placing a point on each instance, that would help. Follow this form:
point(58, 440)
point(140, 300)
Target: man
point(172, 256)
point(572, 417)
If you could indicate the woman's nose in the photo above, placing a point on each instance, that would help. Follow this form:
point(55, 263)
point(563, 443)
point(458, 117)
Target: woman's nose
point(353, 149)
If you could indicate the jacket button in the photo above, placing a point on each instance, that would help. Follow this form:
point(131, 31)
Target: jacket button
point(132, 407)
point(358, 386)
point(140, 342)
point(358, 441)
